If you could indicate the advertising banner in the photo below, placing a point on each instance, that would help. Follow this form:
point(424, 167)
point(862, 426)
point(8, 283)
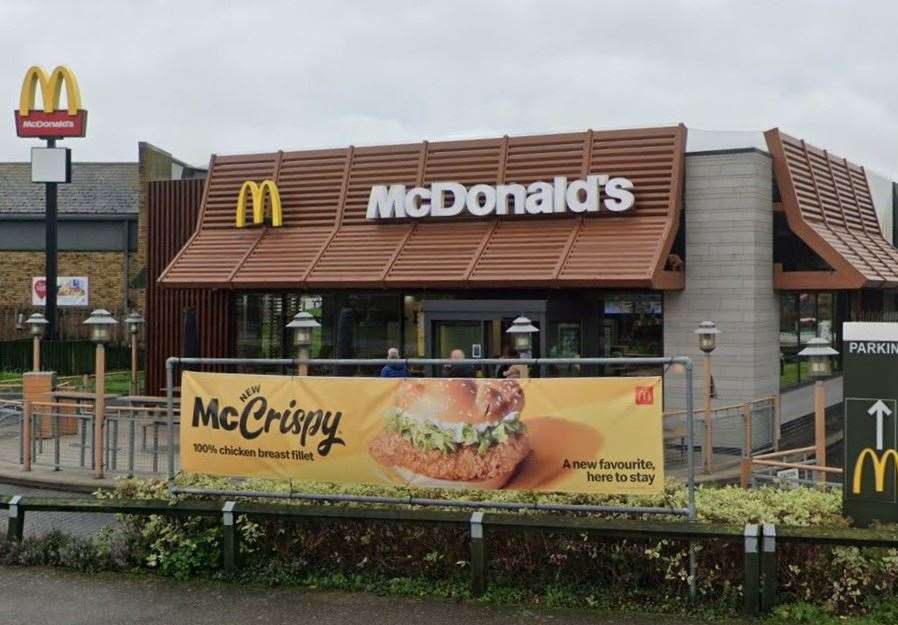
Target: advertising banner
point(70, 291)
point(588, 435)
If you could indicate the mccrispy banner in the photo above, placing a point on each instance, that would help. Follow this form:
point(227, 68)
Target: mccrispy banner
point(589, 435)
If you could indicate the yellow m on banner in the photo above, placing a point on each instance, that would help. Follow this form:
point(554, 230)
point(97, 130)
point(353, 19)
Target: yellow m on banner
point(879, 468)
point(258, 192)
point(51, 89)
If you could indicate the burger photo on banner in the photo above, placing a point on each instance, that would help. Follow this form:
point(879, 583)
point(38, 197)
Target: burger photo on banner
point(454, 433)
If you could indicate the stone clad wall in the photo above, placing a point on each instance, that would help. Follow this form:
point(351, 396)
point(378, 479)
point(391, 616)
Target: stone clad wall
point(729, 278)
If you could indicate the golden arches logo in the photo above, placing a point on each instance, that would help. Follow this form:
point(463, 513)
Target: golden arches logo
point(258, 193)
point(51, 90)
point(879, 468)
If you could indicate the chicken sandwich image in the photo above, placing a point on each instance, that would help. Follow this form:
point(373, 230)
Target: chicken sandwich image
point(454, 433)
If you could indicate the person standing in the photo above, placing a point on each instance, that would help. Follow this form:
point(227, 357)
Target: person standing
point(458, 370)
point(394, 369)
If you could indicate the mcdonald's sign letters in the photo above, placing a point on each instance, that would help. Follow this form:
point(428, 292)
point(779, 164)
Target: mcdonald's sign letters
point(261, 194)
point(870, 362)
point(51, 121)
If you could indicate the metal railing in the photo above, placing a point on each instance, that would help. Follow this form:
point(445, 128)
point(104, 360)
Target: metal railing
point(760, 541)
point(62, 435)
point(736, 431)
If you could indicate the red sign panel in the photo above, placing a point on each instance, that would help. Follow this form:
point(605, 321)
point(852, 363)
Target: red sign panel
point(645, 395)
point(39, 124)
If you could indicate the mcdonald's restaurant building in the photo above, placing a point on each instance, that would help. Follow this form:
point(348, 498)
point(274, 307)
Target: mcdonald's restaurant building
point(614, 243)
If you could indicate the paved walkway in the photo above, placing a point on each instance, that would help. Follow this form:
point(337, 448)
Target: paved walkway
point(147, 600)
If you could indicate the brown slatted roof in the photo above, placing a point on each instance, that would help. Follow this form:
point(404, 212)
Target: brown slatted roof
point(327, 242)
point(828, 205)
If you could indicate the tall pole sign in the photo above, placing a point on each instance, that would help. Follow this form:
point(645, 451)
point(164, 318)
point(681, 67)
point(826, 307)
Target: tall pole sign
point(52, 165)
point(870, 488)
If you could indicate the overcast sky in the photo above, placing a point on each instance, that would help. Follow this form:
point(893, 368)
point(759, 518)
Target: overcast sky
point(201, 77)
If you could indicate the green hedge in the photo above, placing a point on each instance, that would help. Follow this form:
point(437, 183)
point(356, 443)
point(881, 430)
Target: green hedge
point(532, 566)
point(63, 357)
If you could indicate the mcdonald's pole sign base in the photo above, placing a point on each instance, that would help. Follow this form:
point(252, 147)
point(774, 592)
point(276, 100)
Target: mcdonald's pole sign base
point(870, 363)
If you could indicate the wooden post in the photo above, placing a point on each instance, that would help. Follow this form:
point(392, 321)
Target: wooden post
point(820, 428)
point(99, 408)
point(134, 389)
point(708, 447)
point(27, 435)
point(745, 473)
point(303, 356)
point(36, 353)
point(746, 430)
point(777, 421)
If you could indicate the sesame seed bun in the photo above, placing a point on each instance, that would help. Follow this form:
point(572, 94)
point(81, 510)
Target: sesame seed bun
point(455, 400)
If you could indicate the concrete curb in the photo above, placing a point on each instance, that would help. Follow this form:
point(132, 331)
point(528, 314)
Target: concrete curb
point(13, 474)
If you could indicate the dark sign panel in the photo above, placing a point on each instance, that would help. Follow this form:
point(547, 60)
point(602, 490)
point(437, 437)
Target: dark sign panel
point(870, 353)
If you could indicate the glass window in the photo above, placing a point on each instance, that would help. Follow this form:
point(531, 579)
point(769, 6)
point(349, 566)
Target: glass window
point(807, 316)
point(788, 320)
point(826, 316)
point(260, 325)
point(633, 325)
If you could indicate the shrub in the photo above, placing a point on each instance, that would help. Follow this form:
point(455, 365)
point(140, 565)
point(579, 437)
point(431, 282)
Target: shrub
point(544, 567)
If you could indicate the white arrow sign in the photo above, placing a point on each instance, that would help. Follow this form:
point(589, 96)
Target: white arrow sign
point(879, 409)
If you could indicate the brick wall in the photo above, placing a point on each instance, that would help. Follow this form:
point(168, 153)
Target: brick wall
point(103, 269)
point(729, 279)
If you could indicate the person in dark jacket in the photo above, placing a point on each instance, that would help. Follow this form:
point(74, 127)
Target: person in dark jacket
point(394, 369)
point(458, 370)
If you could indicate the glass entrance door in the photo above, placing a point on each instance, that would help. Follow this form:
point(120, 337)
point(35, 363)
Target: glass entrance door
point(468, 336)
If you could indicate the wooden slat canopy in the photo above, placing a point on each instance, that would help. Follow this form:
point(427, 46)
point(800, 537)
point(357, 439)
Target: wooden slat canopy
point(327, 241)
point(828, 205)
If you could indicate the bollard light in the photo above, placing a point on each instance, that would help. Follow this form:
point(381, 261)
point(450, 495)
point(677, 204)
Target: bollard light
point(101, 323)
point(37, 325)
point(522, 331)
point(707, 336)
point(302, 325)
point(134, 321)
point(819, 355)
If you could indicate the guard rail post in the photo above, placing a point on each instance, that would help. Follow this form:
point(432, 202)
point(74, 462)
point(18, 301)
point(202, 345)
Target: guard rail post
point(768, 566)
point(751, 585)
point(16, 525)
point(229, 542)
point(478, 555)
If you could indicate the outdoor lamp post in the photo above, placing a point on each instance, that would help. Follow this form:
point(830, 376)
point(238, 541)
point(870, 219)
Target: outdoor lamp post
point(302, 325)
point(101, 325)
point(522, 331)
point(37, 327)
point(819, 355)
point(134, 321)
point(707, 340)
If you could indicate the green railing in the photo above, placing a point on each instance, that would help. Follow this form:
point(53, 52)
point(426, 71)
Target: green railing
point(760, 541)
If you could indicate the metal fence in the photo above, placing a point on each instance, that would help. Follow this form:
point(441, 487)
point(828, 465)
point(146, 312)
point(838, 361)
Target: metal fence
point(734, 432)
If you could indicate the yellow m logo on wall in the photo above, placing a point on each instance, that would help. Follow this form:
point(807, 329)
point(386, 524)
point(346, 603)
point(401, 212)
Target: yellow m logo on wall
point(51, 89)
point(879, 465)
point(258, 193)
